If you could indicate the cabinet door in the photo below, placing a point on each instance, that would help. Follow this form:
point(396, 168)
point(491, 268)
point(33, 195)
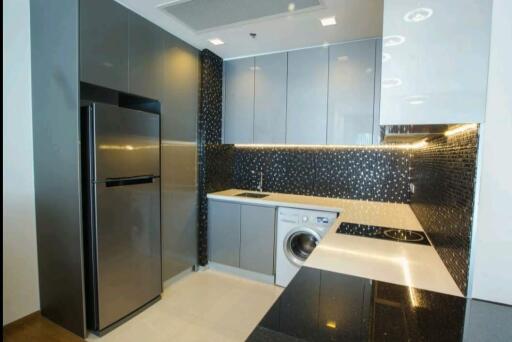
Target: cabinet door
point(179, 157)
point(181, 90)
point(239, 101)
point(104, 39)
point(435, 63)
point(351, 93)
point(307, 96)
point(146, 58)
point(224, 232)
point(257, 239)
point(270, 99)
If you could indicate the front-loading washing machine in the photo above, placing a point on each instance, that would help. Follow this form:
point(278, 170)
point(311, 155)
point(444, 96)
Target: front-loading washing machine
point(298, 233)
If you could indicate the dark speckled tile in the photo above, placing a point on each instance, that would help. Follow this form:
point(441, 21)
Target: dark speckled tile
point(346, 174)
point(299, 176)
point(284, 170)
point(355, 173)
point(219, 170)
point(212, 174)
point(444, 175)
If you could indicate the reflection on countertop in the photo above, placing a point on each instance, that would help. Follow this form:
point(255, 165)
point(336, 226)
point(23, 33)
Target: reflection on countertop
point(326, 306)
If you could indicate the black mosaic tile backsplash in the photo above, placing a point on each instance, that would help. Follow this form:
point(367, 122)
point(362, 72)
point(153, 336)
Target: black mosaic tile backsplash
point(444, 176)
point(219, 167)
point(365, 173)
point(209, 142)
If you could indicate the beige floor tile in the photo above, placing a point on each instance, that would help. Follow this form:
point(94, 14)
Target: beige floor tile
point(202, 306)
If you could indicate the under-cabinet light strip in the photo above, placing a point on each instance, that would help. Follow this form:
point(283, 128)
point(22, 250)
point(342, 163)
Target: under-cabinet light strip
point(460, 129)
point(418, 144)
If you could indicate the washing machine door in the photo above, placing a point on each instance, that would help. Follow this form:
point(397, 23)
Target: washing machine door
point(299, 243)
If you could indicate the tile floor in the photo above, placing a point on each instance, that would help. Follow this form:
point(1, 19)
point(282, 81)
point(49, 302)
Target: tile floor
point(202, 306)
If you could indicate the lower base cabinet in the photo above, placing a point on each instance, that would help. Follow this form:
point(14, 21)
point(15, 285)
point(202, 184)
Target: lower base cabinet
point(242, 235)
point(224, 232)
point(257, 238)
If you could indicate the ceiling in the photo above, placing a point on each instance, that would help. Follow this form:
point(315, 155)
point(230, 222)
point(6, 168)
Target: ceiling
point(279, 25)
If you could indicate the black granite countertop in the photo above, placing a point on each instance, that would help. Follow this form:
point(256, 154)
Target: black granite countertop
point(325, 306)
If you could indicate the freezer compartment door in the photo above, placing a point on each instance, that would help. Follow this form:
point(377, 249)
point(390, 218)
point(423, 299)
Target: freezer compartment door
point(126, 142)
point(128, 247)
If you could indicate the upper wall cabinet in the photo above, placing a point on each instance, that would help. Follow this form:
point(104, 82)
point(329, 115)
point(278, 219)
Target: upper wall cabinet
point(180, 101)
point(147, 65)
point(239, 101)
point(435, 61)
point(351, 92)
point(104, 39)
point(283, 98)
point(307, 96)
point(270, 73)
point(255, 100)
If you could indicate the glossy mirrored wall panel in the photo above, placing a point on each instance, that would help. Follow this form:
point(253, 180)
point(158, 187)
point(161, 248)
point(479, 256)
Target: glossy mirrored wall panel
point(435, 61)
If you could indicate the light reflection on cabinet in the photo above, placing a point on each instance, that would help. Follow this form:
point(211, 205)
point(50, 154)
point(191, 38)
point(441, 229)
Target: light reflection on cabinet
point(435, 61)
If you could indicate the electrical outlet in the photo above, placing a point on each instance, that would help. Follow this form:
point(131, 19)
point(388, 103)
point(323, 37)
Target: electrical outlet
point(412, 187)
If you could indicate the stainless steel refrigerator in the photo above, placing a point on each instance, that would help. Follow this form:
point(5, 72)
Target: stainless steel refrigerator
point(121, 184)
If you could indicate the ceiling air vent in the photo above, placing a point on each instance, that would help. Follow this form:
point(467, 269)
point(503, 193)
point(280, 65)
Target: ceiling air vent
point(205, 15)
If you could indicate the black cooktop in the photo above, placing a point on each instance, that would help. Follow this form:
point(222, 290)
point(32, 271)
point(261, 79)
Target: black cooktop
point(321, 306)
point(384, 233)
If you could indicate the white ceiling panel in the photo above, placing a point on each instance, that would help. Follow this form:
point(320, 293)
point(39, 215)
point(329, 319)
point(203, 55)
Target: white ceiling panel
point(279, 25)
point(202, 15)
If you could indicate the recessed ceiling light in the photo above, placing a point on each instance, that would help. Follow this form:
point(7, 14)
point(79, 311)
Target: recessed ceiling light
point(393, 40)
point(391, 82)
point(419, 14)
point(216, 41)
point(328, 21)
point(291, 7)
point(416, 99)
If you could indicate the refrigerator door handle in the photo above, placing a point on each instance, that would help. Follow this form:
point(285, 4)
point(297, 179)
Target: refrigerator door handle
point(110, 182)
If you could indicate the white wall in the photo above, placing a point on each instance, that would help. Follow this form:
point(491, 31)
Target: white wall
point(20, 277)
point(492, 243)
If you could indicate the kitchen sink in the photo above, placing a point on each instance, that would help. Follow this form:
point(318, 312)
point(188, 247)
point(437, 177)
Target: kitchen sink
point(252, 195)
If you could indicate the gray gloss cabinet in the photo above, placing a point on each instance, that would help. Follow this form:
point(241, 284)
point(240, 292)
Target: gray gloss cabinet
point(55, 80)
point(224, 232)
point(257, 239)
point(351, 93)
point(242, 235)
point(270, 99)
point(179, 157)
point(146, 58)
point(307, 96)
point(104, 41)
point(239, 101)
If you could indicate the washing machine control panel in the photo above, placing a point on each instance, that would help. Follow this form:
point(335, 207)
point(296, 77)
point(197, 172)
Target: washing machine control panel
point(313, 219)
point(322, 220)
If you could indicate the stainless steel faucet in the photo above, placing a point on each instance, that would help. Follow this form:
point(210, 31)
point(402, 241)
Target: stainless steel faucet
point(260, 184)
